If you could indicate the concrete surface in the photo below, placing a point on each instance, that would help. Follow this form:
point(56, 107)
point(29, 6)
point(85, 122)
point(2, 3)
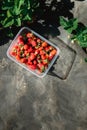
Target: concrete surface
point(56, 102)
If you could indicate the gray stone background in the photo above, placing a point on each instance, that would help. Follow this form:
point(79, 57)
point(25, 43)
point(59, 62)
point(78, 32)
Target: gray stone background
point(56, 102)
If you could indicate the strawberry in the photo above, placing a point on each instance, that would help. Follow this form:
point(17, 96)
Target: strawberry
point(28, 35)
point(38, 57)
point(29, 61)
point(41, 67)
point(38, 40)
point(26, 53)
point(18, 57)
point(53, 52)
point(45, 62)
point(21, 43)
point(50, 57)
point(47, 49)
point(44, 44)
point(14, 49)
point(42, 52)
point(23, 60)
point(21, 48)
point(13, 53)
point(36, 52)
point(33, 43)
point(40, 48)
point(50, 47)
point(20, 39)
point(29, 40)
point(43, 57)
point(30, 49)
point(26, 47)
point(32, 56)
point(34, 62)
point(18, 53)
point(47, 56)
point(16, 46)
point(33, 67)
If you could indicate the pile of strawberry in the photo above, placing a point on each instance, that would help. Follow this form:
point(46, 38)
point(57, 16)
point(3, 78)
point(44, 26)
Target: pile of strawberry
point(32, 51)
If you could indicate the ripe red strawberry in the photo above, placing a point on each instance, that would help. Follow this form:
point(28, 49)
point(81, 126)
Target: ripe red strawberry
point(32, 56)
point(18, 57)
point(30, 49)
point(42, 52)
point(41, 67)
point(26, 47)
point(47, 49)
point(45, 62)
point(29, 40)
point(33, 43)
point(38, 40)
point(33, 67)
point(18, 53)
point(47, 56)
point(38, 57)
point(13, 53)
point(14, 49)
point(20, 39)
point(21, 43)
point(23, 60)
point(26, 53)
point(34, 62)
point(28, 35)
point(19, 49)
point(36, 52)
point(44, 44)
point(50, 47)
point(50, 57)
point(53, 52)
point(16, 46)
point(40, 48)
point(43, 57)
point(29, 61)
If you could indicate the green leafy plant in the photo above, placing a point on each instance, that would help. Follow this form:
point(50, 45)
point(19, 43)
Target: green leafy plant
point(78, 33)
point(16, 12)
point(69, 25)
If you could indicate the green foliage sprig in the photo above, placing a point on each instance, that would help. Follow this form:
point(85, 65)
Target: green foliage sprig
point(69, 25)
point(15, 12)
point(79, 33)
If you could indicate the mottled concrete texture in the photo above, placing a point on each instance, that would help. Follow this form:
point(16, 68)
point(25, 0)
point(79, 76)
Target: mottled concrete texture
point(59, 100)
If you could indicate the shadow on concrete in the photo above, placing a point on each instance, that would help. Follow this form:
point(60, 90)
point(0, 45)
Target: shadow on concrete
point(48, 19)
point(54, 72)
point(4, 39)
point(53, 9)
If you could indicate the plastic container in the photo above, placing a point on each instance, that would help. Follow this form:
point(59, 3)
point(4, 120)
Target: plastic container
point(25, 30)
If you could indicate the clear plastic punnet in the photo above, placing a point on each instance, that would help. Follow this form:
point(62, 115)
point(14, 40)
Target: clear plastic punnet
point(40, 63)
